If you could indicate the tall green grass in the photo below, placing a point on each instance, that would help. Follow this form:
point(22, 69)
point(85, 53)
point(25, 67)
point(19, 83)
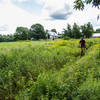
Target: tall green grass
point(49, 70)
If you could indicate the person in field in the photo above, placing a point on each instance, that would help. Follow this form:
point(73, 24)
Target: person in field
point(82, 45)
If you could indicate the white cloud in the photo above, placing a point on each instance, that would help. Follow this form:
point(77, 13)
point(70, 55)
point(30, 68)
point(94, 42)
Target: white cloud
point(4, 28)
point(5, 1)
point(12, 16)
point(40, 1)
point(53, 7)
point(83, 17)
point(22, 0)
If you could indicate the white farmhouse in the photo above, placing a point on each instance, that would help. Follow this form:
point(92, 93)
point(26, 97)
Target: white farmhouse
point(53, 35)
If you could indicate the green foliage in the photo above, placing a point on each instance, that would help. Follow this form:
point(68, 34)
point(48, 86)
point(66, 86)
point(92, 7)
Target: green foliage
point(54, 30)
point(68, 32)
point(78, 31)
point(37, 31)
point(80, 4)
point(66, 37)
point(6, 38)
point(50, 70)
point(98, 30)
point(22, 33)
point(87, 30)
point(73, 32)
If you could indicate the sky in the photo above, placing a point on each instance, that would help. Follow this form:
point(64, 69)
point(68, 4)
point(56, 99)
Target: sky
point(50, 13)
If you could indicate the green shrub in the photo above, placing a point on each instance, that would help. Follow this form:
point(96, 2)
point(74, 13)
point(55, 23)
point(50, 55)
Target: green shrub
point(55, 71)
point(66, 38)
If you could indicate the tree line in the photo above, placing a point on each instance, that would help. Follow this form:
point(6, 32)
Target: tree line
point(77, 31)
point(23, 33)
point(37, 32)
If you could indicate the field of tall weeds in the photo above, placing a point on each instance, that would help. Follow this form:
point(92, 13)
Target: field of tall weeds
point(49, 70)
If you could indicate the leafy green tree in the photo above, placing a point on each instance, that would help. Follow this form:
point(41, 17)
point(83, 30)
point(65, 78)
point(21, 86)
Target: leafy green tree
point(21, 33)
point(1, 38)
point(98, 30)
point(84, 29)
point(80, 4)
point(54, 30)
point(76, 31)
point(68, 31)
point(73, 32)
point(37, 31)
point(6, 38)
point(87, 30)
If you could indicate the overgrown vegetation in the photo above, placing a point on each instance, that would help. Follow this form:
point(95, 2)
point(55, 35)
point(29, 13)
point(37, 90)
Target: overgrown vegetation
point(49, 70)
point(77, 31)
point(37, 32)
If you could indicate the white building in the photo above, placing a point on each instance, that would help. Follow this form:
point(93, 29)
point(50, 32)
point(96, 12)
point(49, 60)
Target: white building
point(96, 35)
point(53, 35)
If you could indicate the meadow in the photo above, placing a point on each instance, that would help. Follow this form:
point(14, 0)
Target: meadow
point(49, 70)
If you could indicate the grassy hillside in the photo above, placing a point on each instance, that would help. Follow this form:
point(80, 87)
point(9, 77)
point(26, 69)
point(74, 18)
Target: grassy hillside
point(49, 70)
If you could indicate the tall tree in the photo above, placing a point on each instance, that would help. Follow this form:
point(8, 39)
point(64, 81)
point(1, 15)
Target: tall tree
point(87, 30)
point(54, 30)
point(21, 33)
point(98, 30)
point(68, 31)
point(76, 31)
point(6, 38)
point(37, 31)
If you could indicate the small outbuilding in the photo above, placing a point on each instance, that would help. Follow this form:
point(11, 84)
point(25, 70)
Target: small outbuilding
point(96, 35)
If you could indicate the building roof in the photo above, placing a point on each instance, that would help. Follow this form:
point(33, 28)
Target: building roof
point(52, 33)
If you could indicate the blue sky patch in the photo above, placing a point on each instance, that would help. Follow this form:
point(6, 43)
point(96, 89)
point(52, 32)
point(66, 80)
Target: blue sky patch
point(31, 6)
